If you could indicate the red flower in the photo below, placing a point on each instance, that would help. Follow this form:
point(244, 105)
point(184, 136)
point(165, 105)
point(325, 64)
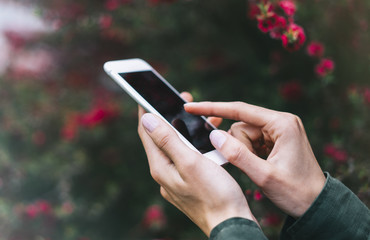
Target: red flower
point(105, 21)
point(330, 149)
point(279, 27)
point(266, 20)
point(44, 207)
point(96, 116)
point(315, 49)
point(338, 155)
point(293, 38)
point(325, 67)
point(154, 217)
point(70, 129)
point(112, 5)
point(291, 91)
point(31, 211)
point(265, 25)
point(272, 219)
point(254, 11)
point(40, 207)
point(16, 39)
point(257, 195)
point(288, 7)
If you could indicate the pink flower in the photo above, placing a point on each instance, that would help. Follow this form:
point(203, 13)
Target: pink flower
point(44, 207)
point(288, 7)
point(291, 91)
point(315, 49)
point(31, 211)
point(293, 38)
point(325, 67)
point(154, 217)
point(40, 207)
point(105, 21)
point(257, 195)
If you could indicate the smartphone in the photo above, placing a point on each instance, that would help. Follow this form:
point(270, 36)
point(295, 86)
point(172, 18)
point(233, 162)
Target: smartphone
point(149, 89)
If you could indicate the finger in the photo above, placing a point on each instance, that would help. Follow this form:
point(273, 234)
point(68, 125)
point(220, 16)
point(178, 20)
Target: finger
point(239, 111)
point(187, 96)
point(167, 140)
point(240, 156)
point(158, 161)
point(140, 112)
point(215, 121)
point(245, 134)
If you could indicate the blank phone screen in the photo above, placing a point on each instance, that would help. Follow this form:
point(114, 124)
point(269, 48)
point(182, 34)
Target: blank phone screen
point(171, 106)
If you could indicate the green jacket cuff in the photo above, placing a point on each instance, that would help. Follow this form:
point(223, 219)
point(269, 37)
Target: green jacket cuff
point(336, 213)
point(237, 229)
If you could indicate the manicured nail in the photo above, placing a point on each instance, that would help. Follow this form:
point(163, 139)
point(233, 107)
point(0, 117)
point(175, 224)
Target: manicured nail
point(217, 138)
point(149, 122)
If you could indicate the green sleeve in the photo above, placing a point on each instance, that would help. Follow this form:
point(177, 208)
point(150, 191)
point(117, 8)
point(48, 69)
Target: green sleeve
point(237, 229)
point(337, 213)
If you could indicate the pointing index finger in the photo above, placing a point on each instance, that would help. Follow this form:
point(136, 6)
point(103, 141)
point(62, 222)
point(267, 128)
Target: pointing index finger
point(238, 111)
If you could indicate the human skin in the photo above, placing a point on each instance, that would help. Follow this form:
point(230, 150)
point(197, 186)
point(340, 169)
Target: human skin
point(290, 176)
point(201, 189)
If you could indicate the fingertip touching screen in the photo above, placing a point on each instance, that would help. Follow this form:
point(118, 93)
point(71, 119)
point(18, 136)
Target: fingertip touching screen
point(171, 106)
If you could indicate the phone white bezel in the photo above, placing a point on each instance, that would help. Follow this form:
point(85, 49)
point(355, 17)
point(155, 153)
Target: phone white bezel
point(113, 68)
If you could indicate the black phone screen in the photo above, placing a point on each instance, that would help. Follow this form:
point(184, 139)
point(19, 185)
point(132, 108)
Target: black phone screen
point(171, 106)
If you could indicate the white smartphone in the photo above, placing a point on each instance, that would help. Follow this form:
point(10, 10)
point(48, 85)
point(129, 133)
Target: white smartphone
point(148, 88)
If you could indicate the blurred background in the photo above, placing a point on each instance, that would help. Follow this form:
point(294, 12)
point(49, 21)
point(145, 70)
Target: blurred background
point(71, 164)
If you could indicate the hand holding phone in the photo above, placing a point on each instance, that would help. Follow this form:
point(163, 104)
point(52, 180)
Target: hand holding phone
point(201, 189)
point(157, 96)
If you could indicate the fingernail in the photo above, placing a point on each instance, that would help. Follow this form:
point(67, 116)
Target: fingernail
point(217, 138)
point(190, 104)
point(149, 122)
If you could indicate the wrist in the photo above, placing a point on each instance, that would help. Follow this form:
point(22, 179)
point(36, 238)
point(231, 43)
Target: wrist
point(310, 195)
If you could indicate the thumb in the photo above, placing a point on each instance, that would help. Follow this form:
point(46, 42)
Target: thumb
point(167, 140)
point(240, 156)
